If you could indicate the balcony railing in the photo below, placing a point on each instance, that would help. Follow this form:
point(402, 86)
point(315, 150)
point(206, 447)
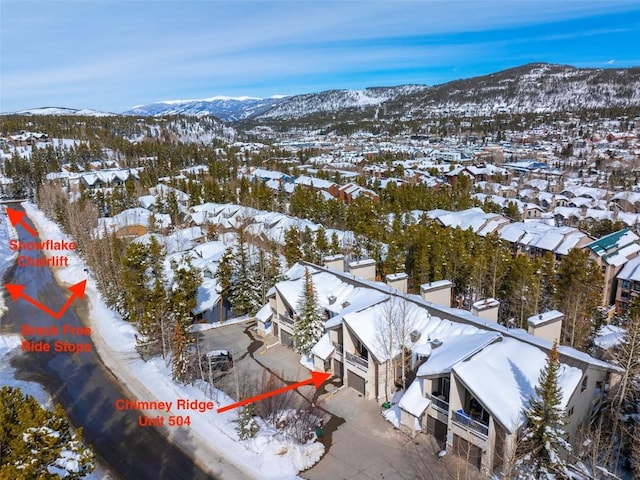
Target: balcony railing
point(285, 319)
point(462, 419)
point(357, 360)
point(440, 405)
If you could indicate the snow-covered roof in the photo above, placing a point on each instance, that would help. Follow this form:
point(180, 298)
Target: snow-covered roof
point(271, 226)
point(464, 317)
point(323, 348)
point(473, 218)
point(514, 369)
point(540, 235)
point(454, 349)
point(207, 296)
point(617, 247)
point(335, 296)
point(314, 182)
point(177, 241)
point(609, 336)
point(131, 217)
point(265, 313)
point(631, 271)
point(369, 326)
point(414, 401)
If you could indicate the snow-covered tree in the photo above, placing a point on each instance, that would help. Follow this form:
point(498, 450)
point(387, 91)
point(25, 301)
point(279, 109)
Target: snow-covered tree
point(38, 444)
point(543, 440)
point(246, 291)
point(309, 324)
point(247, 426)
point(182, 297)
point(224, 275)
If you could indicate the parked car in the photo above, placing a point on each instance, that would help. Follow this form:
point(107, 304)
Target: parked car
point(217, 360)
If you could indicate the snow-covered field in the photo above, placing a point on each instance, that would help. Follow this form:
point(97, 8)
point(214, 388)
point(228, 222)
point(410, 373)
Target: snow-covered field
point(267, 456)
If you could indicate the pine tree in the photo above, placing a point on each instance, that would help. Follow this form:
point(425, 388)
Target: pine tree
point(309, 324)
point(183, 299)
point(246, 289)
point(321, 242)
point(292, 246)
point(224, 275)
point(247, 426)
point(543, 439)
point(335, 244)
point(32, 440)
point(578, 294)
point(134, 275)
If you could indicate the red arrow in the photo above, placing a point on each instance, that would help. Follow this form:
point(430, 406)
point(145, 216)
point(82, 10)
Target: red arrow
point(77, 291)
point(317, 378)
point(17, 217)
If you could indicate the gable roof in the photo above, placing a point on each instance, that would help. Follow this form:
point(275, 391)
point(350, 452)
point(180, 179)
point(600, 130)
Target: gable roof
point(514, 369)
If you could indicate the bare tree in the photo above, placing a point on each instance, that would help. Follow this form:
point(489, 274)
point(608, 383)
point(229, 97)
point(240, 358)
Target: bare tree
point(394, 327)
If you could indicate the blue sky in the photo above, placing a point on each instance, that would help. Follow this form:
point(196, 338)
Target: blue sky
point(111, 55)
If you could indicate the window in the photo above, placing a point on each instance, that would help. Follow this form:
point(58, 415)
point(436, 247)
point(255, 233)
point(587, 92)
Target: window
point(583, 387)
point(361, 349)
point(443, 388)
point(598, 388)
point(570, 412)
point(626, 284)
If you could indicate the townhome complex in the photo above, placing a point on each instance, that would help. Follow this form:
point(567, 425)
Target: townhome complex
point(467, 377)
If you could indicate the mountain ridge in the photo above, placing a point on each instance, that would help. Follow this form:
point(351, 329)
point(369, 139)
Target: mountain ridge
point(532, 87)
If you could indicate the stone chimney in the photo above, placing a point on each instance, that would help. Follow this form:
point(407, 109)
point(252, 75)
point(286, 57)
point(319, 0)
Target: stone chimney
point(546, 325)
point(364, 269)
point(487, 309)
point(439, 292)
point(335, 262)
point(398, 281)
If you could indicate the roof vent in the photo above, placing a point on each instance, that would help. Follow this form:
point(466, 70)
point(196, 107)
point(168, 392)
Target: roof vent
point(414, 336)
point(332, 299)
point(345, 304)
point(436, 342)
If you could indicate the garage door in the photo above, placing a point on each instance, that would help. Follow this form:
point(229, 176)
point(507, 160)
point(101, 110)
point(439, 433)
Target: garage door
point(287, 339)
point(466, 450)
point(356, 382)
point(437, 428)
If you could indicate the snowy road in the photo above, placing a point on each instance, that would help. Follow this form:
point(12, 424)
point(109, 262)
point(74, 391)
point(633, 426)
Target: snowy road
point(86, 389)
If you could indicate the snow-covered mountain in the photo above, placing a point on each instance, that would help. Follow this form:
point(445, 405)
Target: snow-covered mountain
point(333, 101)
point(537, 87)
point(64, 111)
point(229, 109)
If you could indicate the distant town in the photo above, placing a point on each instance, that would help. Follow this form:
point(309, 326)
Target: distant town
point(463, 278)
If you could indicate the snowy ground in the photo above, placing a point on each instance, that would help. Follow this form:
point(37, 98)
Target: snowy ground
point(268, 456)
